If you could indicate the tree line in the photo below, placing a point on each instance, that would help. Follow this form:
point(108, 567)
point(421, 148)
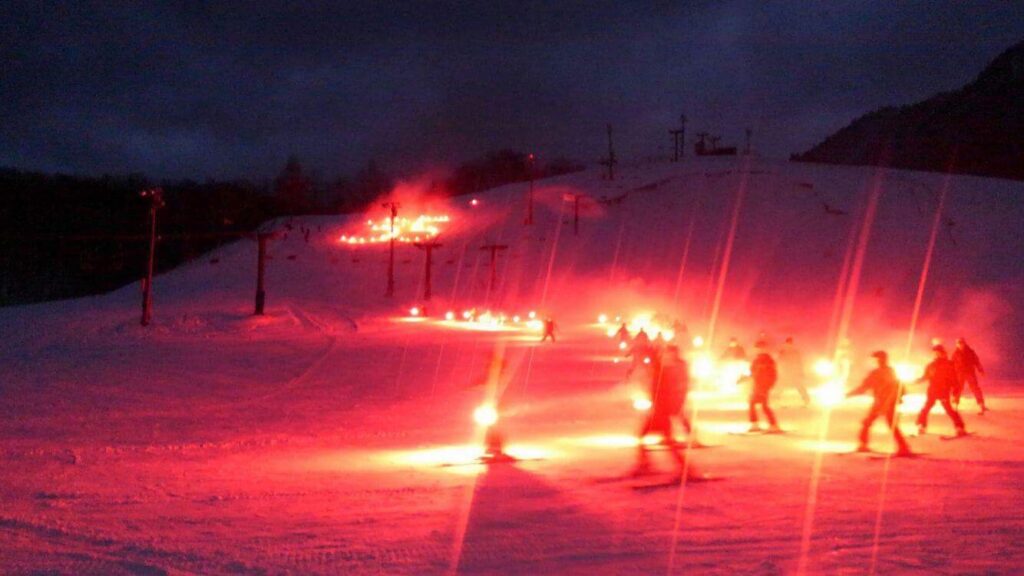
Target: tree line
point(63, 236)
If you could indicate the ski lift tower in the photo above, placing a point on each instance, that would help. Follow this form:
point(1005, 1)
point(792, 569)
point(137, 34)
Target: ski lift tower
point(610, 161)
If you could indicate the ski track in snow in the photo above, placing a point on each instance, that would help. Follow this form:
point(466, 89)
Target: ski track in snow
point(312, 440)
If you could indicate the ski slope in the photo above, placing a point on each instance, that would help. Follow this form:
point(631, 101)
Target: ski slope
point(334, 434)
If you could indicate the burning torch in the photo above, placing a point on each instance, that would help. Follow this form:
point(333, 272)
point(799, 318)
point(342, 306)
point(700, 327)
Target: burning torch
point(486, 416)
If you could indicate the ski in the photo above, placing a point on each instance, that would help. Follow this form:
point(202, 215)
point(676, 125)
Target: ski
point(682, 446)
point(862, 452)
point(956, 436)
point(675, 481)
point(911, 456)
point(760, 433)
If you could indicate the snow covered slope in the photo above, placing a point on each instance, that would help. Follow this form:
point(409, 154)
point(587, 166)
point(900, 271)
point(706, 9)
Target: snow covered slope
point(310, 440)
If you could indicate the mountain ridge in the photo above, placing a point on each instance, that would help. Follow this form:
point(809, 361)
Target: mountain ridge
point(977, 129)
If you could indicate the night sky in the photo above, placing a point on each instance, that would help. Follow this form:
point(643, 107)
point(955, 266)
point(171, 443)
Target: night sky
point(196, 89)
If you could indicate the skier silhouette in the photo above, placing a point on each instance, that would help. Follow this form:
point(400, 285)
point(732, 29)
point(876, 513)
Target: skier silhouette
point(968, 366)
point(734, 351)
point(640, 351)
point(764, 373)
point(791, 369)
point(666, 401)
point(623, 333)
point(882, 382)
point(941, 377)
point(549, 329)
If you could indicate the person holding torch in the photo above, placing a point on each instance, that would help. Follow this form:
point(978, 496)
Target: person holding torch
point(883, 383)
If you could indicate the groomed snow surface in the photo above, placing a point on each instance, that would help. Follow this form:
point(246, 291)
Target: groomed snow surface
point(333, 434)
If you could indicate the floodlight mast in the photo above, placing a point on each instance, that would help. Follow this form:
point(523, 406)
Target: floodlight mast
point(156, 201)
point(393, 207)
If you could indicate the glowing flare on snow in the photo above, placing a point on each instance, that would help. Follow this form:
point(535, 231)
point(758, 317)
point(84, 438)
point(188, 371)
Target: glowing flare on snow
point(641, 403)
point(459, 459)
point(825, 368)
point(532, 315)
point(414, 311)
point(703, 366)
point(602, 319)
point(474, 202)
point(731, 373)
point(906, 372)
point(485, 415)
point(698, 342)
point(449, 315)
point(622, 346)
point(912, 403)
point(650, 440)
point(830, 394)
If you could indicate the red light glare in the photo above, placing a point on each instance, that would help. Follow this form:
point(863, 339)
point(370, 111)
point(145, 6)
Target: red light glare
point(485, 415)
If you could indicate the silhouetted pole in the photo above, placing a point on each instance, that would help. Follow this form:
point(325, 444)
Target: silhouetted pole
point(261, 267)
point(428, 247)
point(749, 134)
point(679, 138)
point(529, 194)
point(494, 261)
point(576, 216)
point(575, 199)
point(610, 161)
point(701, 146)
point(156, 201)
point(393, 206)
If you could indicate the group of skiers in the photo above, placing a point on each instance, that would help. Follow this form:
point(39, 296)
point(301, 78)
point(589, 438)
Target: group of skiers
point(667, 374)
point(945, 377)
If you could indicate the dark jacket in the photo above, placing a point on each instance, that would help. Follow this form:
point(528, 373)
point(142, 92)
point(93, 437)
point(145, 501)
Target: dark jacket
point(882, 382)
point(668, 386)
point(941, 377)
point(763, 372)
point(966, 361)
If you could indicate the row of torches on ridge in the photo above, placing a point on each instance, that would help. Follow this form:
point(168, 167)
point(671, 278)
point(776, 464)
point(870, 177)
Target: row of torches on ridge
point(408, 230)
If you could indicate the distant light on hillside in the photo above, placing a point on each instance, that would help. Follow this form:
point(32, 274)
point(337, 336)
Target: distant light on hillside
point(407, 230)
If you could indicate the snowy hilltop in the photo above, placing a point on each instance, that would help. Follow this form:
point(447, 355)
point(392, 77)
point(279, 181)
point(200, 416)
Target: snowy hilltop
point(336, 433)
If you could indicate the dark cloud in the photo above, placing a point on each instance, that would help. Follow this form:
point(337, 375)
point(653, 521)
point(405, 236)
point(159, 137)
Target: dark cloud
point(226, 89)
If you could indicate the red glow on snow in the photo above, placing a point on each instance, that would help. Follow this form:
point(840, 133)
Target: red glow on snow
point(641, 403)
point(462, 459)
